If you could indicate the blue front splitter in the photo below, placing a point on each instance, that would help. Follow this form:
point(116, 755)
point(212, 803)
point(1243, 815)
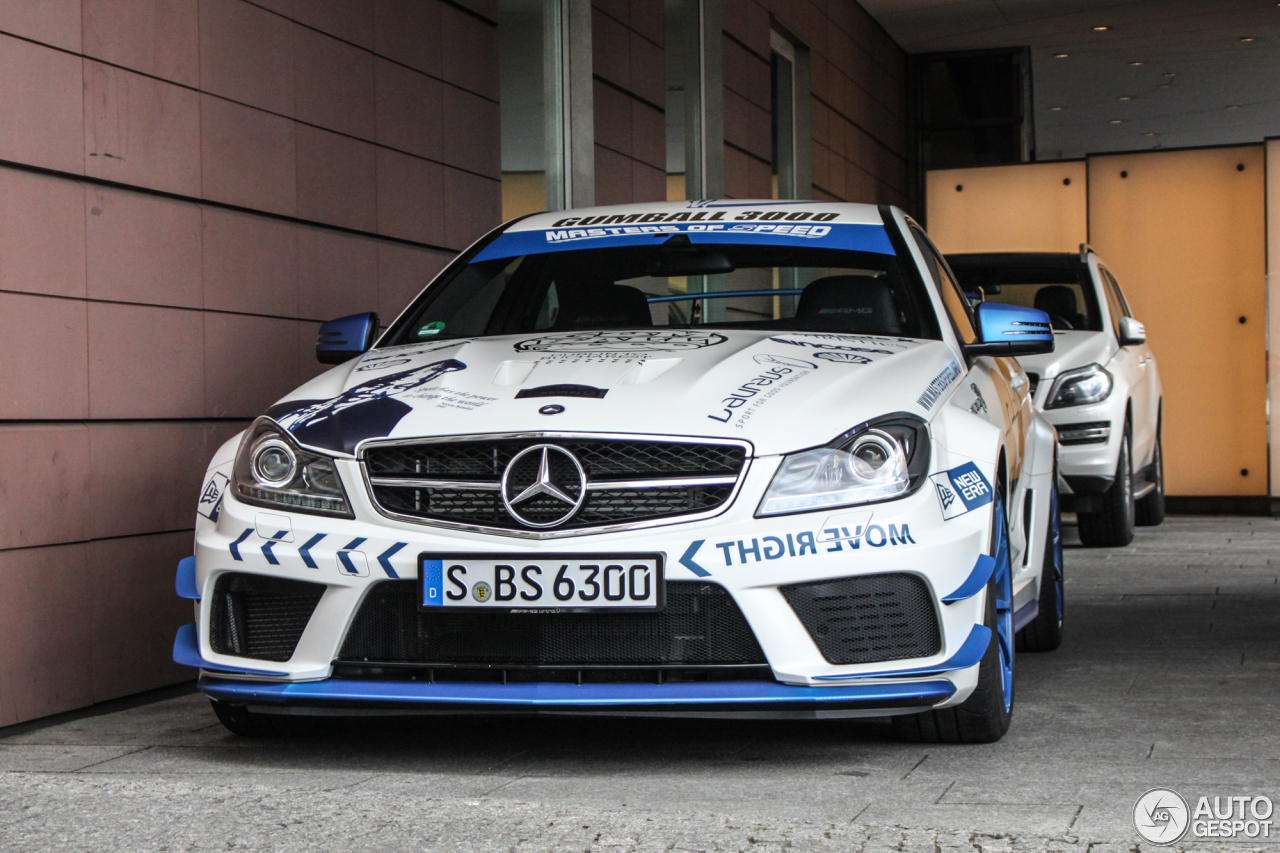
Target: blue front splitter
point(732, 696)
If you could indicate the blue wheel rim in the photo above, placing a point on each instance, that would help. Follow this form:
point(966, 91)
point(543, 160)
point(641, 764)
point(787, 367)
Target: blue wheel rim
point(1003, 579)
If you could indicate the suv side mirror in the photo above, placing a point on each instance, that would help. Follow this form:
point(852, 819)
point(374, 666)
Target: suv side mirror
point(346, 337)
point(1011, 330)
point(1131, 332)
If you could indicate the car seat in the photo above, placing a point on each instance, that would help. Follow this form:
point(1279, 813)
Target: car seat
point(1059, 302)
point(850, 303)
point(600, 305)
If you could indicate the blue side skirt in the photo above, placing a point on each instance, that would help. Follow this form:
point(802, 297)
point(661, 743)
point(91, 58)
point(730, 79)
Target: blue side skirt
point(561, 697)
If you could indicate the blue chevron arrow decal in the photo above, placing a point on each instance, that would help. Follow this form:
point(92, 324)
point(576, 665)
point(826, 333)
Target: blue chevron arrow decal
point(384, 559)
point(267, 552)
point(687, 559)
point(235, 546)
point(305, 551)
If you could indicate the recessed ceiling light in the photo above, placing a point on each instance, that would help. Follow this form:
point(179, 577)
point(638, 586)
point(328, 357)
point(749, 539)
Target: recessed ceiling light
point(1152, 134)
point(1061, 55)
point(1233, 106)
point(1055, 109)
point(1135, 63)
point(1100, 29)
point(1246, 38)
point(1126, 97)
point(1115, 121)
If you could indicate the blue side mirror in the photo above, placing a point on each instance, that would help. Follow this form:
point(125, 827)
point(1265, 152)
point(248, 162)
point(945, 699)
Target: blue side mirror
point(1011, 330)
point(346, 337)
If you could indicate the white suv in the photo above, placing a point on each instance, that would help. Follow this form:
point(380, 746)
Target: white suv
point(1100, 386)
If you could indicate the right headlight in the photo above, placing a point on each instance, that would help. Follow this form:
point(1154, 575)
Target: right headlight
point(878, 461)
point(1079, 387)
point(272, 471)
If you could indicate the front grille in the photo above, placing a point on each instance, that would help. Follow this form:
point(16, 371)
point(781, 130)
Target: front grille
point(700, 627)
point(256, 616)
point(628, 480)
point(868, 619)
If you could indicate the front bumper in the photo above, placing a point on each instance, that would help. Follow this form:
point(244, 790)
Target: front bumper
point(911, 536)
point(729, 697)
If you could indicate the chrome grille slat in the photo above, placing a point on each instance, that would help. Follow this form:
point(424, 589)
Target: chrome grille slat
point(631, 480)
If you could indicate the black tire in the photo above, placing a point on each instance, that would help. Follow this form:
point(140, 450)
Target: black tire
point(1113, 526)
point(1149, 511)
point(239, 720)
point(1044, 633)
point(983, 717)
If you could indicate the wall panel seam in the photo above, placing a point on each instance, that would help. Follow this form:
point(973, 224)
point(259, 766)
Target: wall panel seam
point(629, 93)
point(164, 306)
point(220, 205)
point(98, 539)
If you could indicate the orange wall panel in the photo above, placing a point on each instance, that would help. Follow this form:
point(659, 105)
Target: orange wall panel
point(1185, 234)
point(1032, 207)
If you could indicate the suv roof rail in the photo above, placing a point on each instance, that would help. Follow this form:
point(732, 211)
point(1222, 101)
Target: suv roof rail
point(1085, 251)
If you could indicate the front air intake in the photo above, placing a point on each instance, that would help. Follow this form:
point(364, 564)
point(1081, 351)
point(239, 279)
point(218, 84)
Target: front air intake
point(868, 619)
point(261, 617)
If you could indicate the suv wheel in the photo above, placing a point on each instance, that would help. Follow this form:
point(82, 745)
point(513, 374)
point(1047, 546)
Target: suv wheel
point(1150, 510)
point(1113, 526)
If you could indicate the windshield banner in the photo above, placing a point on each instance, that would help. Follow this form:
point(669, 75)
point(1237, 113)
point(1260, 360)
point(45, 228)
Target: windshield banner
point(821, 235)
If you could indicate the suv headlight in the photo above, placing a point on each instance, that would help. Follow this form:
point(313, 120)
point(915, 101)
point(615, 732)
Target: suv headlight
point(878, 461)
point(1080, 387)
point(272, 471)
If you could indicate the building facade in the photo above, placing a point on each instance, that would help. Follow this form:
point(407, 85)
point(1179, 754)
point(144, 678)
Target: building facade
point(189, 187)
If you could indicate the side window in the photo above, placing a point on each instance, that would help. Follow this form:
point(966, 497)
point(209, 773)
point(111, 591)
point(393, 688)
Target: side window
point(952, 297)
point(1113, 301)
point(1115, 285)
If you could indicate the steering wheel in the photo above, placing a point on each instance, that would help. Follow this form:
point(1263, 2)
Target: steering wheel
point(1060, 322)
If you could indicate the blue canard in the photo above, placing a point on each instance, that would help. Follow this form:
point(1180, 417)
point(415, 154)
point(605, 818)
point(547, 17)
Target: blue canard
point(432, 583)
point(962, 490)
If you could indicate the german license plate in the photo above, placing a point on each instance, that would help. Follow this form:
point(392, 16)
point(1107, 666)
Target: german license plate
point(541, 582)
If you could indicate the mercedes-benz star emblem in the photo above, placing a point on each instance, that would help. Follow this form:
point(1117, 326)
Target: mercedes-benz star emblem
point(553, 480)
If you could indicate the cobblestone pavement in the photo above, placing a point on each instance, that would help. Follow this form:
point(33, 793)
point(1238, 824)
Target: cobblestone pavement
point(1168, 678)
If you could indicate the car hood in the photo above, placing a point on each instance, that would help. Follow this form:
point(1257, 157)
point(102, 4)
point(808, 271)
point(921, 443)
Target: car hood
point(1070, 350)
point(780, 391)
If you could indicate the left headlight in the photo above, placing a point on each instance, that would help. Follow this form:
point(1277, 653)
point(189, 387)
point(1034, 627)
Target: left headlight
point(1080, 387)
point(878, 461)
point(271, 470)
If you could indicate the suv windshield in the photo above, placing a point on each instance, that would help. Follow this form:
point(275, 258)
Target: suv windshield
point(1057, 285)
point(676, 285)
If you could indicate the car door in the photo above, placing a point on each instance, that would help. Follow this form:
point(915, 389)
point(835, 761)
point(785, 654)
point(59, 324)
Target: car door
point(1135, 361)
point(1000, 383)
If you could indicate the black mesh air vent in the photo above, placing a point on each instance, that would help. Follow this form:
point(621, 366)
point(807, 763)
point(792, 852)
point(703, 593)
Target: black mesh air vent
point(256, 616)
point(701, 625)
point(868, 619)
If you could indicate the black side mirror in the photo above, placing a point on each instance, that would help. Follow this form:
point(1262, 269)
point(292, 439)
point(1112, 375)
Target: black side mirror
point(346, 337)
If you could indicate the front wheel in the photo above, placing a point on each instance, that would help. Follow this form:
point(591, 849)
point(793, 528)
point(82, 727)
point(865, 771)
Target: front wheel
point(983, 717)
point(1112, 527)
point(1150, 509)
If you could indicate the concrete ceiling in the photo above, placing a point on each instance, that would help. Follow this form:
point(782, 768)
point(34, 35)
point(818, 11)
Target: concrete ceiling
point(1200, 82)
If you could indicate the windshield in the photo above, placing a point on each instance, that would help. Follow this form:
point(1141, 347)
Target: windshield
point(1061, 290)
point(674, 285)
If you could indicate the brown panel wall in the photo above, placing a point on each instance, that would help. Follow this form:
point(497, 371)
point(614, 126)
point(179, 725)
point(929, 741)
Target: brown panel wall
point(1030, 207)
point(215, 178)
point(629, 95)
point(858, 100)
point(1185, 234)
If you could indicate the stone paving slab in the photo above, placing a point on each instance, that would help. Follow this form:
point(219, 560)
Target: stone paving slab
point(1169, 677)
